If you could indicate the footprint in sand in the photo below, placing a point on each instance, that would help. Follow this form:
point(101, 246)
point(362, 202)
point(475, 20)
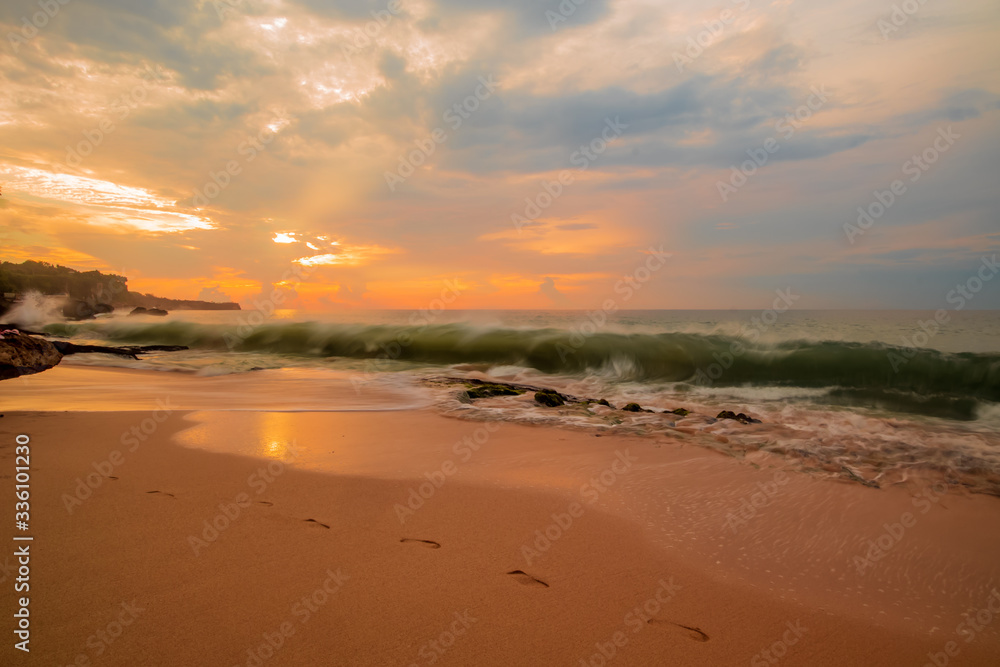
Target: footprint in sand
point(694, 634)
point(163, 493)
point(317, 523)
point(430, 544)
point(526, 579)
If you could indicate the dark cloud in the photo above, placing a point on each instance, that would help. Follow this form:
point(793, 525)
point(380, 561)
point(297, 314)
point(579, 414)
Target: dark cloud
point(529, 18)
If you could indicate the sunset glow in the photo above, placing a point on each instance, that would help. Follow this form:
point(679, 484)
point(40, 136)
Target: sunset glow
point(507, 147)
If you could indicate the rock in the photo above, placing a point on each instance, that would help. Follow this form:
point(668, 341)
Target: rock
point(21, 354)
point(24, 355)
point(20, 329)
point(487, 389)
point(78, 310)
point(100, 308)
point(140, 349)
point(550, 398)
point(130, 351)
point(139, 310)
point(604, 401)
point(634, 407)
point(678, 411)
point(741, 418)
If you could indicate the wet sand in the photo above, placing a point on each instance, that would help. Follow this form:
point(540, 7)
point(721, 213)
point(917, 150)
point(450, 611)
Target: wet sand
point(407, 538)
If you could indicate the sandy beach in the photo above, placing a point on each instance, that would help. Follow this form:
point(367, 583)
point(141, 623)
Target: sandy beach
point(438, 333)
point(406, 538)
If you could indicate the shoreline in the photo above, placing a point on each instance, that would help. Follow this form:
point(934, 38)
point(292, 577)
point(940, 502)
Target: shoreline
point(660, 518)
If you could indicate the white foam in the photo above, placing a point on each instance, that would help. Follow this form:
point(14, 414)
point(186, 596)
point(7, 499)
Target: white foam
point(36, 310)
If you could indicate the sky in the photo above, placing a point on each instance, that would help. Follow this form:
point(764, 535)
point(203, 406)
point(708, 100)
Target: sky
point(519, 154)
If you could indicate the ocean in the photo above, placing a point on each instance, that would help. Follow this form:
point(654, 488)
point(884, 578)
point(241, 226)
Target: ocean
point(874, 396)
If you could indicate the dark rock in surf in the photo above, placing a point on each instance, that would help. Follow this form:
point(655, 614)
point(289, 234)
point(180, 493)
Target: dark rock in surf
point(139, 310)
point(78, 310)
point(549, 398)
point(634, 407)
point(130, 351)
point(677, 411)
point(21, 354)
point(741, 418)
point(485, 390)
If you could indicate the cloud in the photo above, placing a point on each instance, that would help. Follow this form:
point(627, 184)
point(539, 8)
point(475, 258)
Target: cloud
point(213, 293)
point(211, 84)
point(549, 291)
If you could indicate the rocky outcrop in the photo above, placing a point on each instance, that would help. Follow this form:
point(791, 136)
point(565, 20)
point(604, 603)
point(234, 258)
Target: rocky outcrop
point(130, 351)
point(139, 310)
point(741, 418)
point(78, 310)
point(487, 389)
point(549, 398)
point(23, 355)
